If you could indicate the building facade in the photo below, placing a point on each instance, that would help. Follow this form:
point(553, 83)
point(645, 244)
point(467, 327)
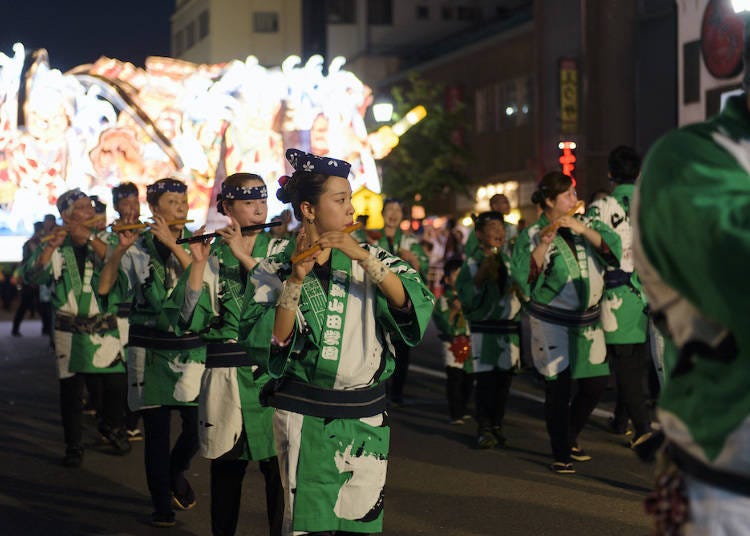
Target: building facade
point(538, 78)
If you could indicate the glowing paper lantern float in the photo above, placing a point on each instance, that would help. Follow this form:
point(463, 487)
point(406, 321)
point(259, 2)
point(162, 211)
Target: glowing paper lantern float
point(108, 122)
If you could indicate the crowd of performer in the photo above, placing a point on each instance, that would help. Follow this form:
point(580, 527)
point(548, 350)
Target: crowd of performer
point(278, 348)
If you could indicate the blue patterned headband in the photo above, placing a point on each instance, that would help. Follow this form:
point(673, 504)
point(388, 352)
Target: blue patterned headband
point(311, 163)
point(173, 186)
point(66, 200)
point(231, 193)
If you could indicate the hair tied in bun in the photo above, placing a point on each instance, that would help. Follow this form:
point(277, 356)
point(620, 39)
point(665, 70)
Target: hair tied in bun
point(283, 180)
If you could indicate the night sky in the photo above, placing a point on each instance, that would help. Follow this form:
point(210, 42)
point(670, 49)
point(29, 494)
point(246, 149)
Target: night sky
point(75, 32)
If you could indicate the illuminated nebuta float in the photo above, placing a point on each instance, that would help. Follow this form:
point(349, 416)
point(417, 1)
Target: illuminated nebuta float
point(100, 124)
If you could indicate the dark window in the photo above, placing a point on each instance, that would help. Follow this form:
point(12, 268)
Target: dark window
point(341, 11)
point(446, 12)
point(423, 12)
point(691, 81)
point(380, 12)
point(189, 35)
point(265, 22)
point(203, 24)
point(178, 43)
point(468, 13)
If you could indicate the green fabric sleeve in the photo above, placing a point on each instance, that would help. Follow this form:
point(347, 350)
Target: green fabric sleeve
point(409, 327)
point(520, 263)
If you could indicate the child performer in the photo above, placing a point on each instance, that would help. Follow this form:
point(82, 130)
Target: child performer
point(454, 332)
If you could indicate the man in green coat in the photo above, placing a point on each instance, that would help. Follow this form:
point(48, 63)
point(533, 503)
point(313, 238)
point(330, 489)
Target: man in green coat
point(624, 317)
point(691, 241)
point(86, 337)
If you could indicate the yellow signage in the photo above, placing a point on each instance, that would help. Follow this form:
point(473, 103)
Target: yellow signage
point(568, 96)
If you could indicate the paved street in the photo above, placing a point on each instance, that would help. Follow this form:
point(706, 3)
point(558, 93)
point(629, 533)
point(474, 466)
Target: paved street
point(437, 483)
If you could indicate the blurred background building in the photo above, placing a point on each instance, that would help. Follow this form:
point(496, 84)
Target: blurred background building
point(597, 73)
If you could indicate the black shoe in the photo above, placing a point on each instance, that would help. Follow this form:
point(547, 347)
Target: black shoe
point(185, 500)
point(578, 454)
point(562, 468)
point(498, 432)
point(486, 439)
point(118, 439)
point(16, 334)
point(163, 519)
point(73, 457)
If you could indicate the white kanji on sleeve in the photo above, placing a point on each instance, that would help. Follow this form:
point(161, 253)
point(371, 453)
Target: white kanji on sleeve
point(336, 306)
point(333, 322)
point(330, 353)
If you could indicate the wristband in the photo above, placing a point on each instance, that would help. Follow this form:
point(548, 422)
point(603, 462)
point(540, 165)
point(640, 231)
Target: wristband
point(374, 268)
point(289, 298)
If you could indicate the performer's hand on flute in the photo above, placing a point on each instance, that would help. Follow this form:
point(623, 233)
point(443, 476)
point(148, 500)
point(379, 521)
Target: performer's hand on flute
point(564, 221)
point(63, 229)
point(117, 227)
point(303, 257)
point(341, 240)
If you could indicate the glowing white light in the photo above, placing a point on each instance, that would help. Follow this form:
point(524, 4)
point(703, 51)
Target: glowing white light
point(482, 192)
point(467, 221)
point(510, 110)
point(382, 111)
point(525, 108)
point(741, 5)
point(491, 190)
point(513, 216)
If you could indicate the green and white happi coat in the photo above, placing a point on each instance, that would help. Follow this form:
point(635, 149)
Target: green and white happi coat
point(490, 302)
point(572, 282)
point(624, 317)
point(334, 470)
point(228, 406)
point(408, 242)
point(73, 296)
point(693, 233)
point(156, 376)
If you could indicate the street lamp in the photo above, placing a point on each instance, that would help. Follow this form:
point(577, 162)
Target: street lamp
point(382, 111)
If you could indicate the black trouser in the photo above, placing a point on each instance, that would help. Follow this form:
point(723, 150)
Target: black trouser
point(45, 311)
point(630, 366)
point(398, 380)
point(492, 392)
point(131, 418)
point(164, 469)
point(458, 388)
point(113, 388)
point(226, 494)
point(28, 303)
point(566, 419)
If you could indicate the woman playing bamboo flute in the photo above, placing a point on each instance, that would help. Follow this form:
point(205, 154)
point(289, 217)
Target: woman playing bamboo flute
point(334, 317)
point(233, 427)
point(560, 270)
point(164, 369)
